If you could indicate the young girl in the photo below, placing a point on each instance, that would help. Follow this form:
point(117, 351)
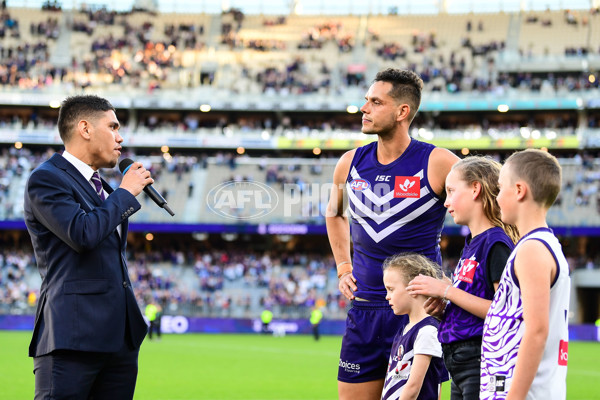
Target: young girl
point(415, 369)
point(471, 188)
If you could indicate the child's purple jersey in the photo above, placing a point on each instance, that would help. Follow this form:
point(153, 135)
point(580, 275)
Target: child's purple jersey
point(470, 276)
point(419, 339)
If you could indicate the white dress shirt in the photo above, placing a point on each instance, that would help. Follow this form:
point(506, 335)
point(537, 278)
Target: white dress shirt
point(87, 173)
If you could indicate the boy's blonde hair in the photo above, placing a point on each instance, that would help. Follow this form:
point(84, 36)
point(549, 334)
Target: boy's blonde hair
point(540, 170)
point(486, 171)
point(411, 265)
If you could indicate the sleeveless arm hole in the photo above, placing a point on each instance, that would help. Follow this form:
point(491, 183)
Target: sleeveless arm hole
point(497, 258)
point(444, 160)
point(553, 256)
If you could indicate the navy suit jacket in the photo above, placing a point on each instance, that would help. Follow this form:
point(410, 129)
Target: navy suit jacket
point(86, 302)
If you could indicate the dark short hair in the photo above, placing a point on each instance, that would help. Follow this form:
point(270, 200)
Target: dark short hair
point(406, 87)
point(75, 108)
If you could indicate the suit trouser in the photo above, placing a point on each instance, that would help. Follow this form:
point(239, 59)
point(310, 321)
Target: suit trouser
point(80, 375)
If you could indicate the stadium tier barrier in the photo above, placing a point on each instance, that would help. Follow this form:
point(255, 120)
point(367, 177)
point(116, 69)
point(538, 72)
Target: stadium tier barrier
point(177, 324)
point(251, 191)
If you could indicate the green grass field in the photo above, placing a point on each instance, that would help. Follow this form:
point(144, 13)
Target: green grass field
point(249, 367)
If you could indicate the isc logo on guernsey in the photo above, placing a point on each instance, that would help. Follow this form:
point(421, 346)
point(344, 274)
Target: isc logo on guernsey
point(350, 367)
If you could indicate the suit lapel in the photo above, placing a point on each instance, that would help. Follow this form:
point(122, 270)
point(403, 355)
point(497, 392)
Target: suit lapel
point(60, 162)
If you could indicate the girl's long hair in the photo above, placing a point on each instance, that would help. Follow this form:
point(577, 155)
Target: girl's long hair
point(486, 171)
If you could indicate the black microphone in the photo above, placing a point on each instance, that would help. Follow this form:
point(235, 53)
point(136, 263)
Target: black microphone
point(148, 189)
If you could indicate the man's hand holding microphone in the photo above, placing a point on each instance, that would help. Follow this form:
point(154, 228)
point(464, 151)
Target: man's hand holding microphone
point(137, 178)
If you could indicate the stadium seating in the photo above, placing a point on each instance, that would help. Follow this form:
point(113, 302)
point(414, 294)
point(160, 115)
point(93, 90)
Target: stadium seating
point(104, 51)
point(578, 29)
point(218, 284)
point(187, 186)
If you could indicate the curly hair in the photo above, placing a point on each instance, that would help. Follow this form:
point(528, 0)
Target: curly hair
point(411, 265)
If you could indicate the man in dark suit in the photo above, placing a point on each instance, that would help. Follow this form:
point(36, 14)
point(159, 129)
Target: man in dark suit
point(88, 326)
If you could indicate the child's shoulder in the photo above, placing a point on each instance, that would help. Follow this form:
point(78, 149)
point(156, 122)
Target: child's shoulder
point(496, 234)
point(537, 252)
point(542, 235)
point(429, 321)
point(426, 322)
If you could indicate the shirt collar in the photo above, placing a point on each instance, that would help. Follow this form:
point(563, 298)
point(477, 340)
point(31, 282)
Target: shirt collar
point(82, 167)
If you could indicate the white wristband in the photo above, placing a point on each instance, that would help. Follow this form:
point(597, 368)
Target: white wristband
point(446, 292)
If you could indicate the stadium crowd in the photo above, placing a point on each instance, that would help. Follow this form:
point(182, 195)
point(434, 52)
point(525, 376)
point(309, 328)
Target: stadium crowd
point(200, 283)
point(581, 184)
point(221, 283)
point(192, 122)
point(141, 56)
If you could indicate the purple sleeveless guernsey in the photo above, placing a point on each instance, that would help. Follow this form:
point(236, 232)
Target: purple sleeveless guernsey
point(402, 358)
point(470, 276)
point(393, 209)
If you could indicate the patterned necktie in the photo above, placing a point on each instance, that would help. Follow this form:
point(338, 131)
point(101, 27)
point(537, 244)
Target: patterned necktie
point(98, 185)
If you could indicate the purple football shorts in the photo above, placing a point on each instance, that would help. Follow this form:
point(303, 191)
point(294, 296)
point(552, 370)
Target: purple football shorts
point(367, 342)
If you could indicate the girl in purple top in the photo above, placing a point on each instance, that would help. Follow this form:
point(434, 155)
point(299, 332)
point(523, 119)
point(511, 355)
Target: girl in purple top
point(471, 187)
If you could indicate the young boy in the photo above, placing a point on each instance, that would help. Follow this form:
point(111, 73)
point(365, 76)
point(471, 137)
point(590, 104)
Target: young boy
point(525, 336)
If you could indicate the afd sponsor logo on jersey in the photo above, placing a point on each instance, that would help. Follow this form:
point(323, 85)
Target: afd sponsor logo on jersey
point(358, 185)
point(467, 270)
point(407, 186)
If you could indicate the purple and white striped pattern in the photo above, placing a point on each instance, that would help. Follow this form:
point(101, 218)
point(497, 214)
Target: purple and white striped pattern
point(504, 327)
point(502, 333)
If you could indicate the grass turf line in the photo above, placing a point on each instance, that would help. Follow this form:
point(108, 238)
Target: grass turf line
point(248, 367)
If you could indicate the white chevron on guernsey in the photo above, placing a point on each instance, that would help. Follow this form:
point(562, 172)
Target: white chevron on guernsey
point(378, 236)
point(369, 194)
point(381, 217)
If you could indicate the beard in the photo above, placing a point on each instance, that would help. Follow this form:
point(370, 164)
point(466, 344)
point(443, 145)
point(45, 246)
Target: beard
point(383, 133)
point(382, 130)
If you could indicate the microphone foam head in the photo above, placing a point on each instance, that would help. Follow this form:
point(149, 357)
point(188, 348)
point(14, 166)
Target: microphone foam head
point(124, 164)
